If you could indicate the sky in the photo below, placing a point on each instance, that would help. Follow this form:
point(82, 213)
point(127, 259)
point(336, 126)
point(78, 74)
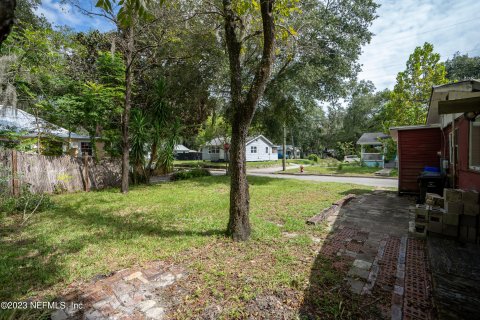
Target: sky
point(402, 25)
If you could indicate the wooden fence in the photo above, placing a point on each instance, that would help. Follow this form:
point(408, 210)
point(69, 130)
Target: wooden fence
point(42, 174)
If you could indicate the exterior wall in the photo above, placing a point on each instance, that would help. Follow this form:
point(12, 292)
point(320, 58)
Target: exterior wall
point(205, 154)
point(212, 156)
point(465, 178)
point(261, 154)
point(416, 150)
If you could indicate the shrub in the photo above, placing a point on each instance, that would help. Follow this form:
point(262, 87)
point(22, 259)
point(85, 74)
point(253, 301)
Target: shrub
point(313, 157)
point(27, 203)
point(340, 167)
point(194, 173)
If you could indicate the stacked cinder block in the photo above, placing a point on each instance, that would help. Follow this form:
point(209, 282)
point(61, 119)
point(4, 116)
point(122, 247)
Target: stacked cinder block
point(453, 209)
point(468, 226)
point(456, 214)
point(421, 219)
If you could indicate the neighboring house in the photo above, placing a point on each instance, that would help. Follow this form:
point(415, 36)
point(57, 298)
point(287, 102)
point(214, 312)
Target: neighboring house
point(450, 139)
point(290, 152)
point(373, 149)
point(183, 153)
point(258, 148)
point(28, 126)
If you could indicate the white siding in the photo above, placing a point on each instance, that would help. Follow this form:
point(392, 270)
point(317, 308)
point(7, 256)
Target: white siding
point(205, 154)
point(262, 153)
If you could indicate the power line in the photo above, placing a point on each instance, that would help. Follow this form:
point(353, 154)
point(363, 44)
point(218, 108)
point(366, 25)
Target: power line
point(477, 19)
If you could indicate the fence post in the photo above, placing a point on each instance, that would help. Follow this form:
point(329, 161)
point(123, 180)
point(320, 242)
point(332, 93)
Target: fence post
point(85, 166)
point(15, 184)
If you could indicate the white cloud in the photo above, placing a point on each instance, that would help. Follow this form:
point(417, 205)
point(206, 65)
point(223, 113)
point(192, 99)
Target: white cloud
point(65, 14)
point(403, 25)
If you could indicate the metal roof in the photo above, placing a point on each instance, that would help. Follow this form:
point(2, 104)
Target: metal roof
point(372, 138)
point(450, 91)
point(394, 130)
point(220, 142)
point(21, 121)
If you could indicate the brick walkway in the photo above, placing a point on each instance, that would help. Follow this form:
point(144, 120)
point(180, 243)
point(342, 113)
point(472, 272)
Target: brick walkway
point(370, 241)
point(128, 294)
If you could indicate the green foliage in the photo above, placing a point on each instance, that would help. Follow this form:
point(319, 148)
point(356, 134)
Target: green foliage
point(340, 166)
point(190, 174)
point(345, 149)
point(462, 67)
point(313, 157)
point(391, 149)
point(408, 103)
point(27, 203)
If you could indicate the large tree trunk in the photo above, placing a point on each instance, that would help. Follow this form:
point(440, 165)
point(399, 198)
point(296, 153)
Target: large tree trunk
point(239, 223)
point(7, 18)
point(243, 110)
point(126, 109)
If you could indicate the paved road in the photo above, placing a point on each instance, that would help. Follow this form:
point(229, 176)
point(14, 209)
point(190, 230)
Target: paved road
point(270, 172)
point(373, 182)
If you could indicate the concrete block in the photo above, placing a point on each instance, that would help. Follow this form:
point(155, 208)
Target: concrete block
point(454, 207)
point(421, 213)
point(452, 195)
point(435, 227)
point(434, 200)
point(468, 234)
point(451, 219)
point(450, 230)
point(468, 221)
point(471, 209)
point(471, 197)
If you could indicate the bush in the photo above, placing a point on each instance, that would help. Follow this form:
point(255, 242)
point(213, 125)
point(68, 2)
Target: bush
point(26, 203)
point(194, 173)
point(340, 167)
point(313, 157)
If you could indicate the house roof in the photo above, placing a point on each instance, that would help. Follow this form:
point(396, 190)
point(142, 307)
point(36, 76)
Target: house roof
point(182, 148)
point(220, 142)
point(372, 138)
point(394, 130)
point(21, 121)
point(252, 139)
point(451, 91)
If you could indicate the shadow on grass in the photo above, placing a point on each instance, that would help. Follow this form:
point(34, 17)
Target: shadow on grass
point(30, 263)
point(328, 296)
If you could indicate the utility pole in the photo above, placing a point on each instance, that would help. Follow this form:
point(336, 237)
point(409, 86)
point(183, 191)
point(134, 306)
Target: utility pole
point(284, 147)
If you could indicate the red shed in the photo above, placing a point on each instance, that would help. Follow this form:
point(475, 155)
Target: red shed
point(457, 152)
point(418, 147)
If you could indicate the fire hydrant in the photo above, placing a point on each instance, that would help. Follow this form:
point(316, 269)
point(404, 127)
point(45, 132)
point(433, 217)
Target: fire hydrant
point(301, 169)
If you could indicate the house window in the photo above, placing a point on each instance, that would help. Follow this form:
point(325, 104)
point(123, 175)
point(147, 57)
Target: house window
point(253, 149)
point(266, 149)
point(474, 150)
point(214, 150)
point(86, 147)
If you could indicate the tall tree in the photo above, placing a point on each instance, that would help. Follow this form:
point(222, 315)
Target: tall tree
point(409, 99)
point(243, 106)
point(7, 18)
point(462, 67)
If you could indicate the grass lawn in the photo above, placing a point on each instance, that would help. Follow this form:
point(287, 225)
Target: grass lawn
point(347, 170)
point(88, 234)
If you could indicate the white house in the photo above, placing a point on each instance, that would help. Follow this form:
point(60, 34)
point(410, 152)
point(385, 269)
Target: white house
point(258, 148)
point(29, 126)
